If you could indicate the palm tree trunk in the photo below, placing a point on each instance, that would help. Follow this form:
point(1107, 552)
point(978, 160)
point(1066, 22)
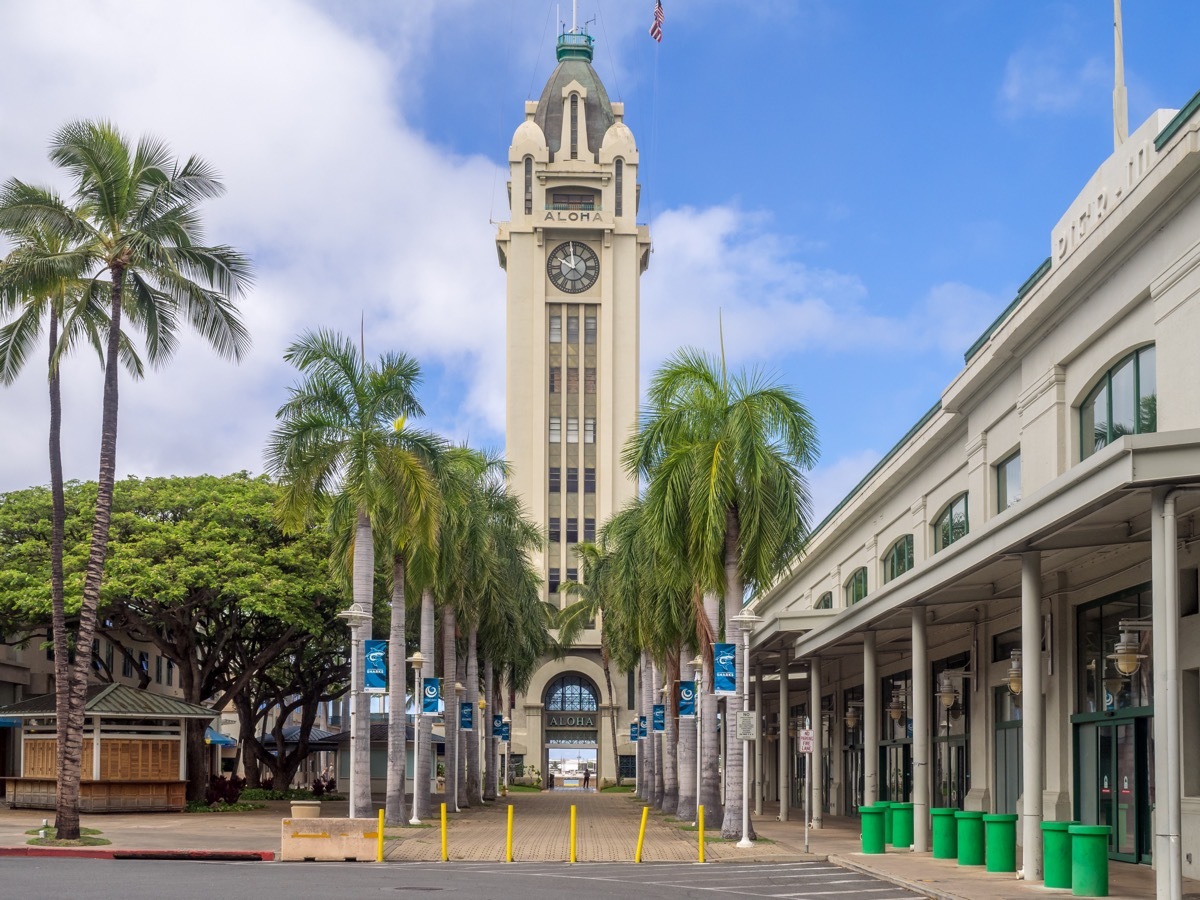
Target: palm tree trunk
point(464, 737)
point(397, 754)
point(474, 787)
point(670, 800)
point(731, 828)
point(489, 763)
point(646, 789)
point(360, 721)
point(659, 767)
point(710, 787)
point(450, 705)
point(685, 809)
point(423, 765)
point(70, 750)
point(612, 718)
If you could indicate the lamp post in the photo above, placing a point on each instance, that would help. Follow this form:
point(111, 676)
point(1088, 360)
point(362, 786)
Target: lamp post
point(697, 677)
point(418, 663)
point(357, 618)
point(746, 621)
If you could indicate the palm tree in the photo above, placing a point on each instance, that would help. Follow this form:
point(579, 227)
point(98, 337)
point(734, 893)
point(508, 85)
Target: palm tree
point(336, 452)
point(726, 460)
point(134, 218)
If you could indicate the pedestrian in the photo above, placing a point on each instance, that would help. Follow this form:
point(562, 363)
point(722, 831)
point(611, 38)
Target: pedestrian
point(587, 778)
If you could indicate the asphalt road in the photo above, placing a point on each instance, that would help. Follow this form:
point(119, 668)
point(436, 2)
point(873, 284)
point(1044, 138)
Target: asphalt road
point(131, 880)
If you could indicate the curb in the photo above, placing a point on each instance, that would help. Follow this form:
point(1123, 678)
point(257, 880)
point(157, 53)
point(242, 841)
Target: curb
point(924, 889)
point(116, 853)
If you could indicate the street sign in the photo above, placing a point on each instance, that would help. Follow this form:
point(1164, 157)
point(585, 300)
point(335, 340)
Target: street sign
point(375, 667)
point(806, 741)
point(747, 725)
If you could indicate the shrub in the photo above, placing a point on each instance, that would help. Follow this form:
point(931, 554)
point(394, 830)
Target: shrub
point(224, 790)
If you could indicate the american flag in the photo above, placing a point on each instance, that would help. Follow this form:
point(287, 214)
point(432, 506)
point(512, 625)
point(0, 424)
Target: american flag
point(656, 28)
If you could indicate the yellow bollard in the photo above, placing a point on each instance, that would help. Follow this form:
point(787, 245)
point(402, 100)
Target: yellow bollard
point(508, 841)
point(379, 849)
point(637, 857)
point(572, 832)
point(445, 852)
point(700, 824)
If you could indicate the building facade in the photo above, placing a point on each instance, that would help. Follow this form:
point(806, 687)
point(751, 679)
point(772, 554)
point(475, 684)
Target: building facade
point(573, 254)
point(1004, 615)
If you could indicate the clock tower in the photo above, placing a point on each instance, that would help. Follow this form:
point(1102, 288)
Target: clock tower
point(574, 254)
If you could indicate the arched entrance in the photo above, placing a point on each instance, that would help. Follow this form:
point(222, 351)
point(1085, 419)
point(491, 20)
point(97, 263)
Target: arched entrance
point(571, 717)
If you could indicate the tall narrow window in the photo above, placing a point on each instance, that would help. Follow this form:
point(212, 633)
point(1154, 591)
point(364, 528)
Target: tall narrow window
point(589, 431)
point(1008, 482)
point(572, 530)
point(589, 529)
point(619, 187)
point(158, 669)
point(825, 601)
point(1124, 401)
point(528, 185)
point(589, 380)
point(127, 664)
point(555, 479)
point(170, 673)
point(556, 329)
point(574, 126)
point(108, 657)
point(572, 329)
point(573, 575)
point(589, 480)
point(555, 379)
point(553, 579)
point(952, 524)
point(856, 587)
point(555, 429)
point(572, 380)
point(572, 480)
point(589, 329)
point(572, 430)
point(898, 559)
point(554, 531)
point(144, 662)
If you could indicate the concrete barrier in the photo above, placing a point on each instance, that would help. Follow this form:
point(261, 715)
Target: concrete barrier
point(330, 840)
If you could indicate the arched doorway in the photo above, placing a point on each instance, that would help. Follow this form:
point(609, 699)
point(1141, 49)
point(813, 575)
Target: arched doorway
point(570, 711)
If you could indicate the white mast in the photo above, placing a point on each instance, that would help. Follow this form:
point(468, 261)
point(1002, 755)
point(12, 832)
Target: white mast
point(1120, 105)
point(575, 16)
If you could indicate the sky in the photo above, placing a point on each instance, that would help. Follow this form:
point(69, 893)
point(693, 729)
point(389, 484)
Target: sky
point(855, 188)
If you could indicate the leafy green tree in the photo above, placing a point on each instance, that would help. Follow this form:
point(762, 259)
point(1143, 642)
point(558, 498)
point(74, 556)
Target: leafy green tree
point(725, 460)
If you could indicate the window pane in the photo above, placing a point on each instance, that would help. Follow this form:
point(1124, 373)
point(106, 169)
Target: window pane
point(1008, 482)
point(554, 529)
point(556, 329)
point(572, 430)
point(589, 431)
point(572, 479)
point(572, 536)
point(1124, 401)
point(572, 329)
point(1093, 421)
point(1147, 391)
point(555, 429)
point(555, 479)
point(589, 529)
point(589, 380)
point(555, 379)
point(589, 481)
point(589, 329)
point(572, 380)
point(553, 581)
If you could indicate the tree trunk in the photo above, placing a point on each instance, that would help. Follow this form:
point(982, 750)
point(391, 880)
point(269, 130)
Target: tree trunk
point(360, 713)
point(731, 828)
point(464, 737)
point(612, 717)
point(70, 748)
point(397, 753)
point(423, 765)
point(489, 744)
point(685, 810)
point(474, 787)
point(670, 800)
point(657, 739)
point(646, 744)
point(710, 787)
point(450, 705)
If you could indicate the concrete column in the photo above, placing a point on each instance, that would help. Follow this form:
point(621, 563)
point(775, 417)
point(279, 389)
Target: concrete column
point(818, 768)
point(758, 745)
point(1165, 613)
point(871, 715)
point(785, 770)
point(920, 705)
point(1032, 714)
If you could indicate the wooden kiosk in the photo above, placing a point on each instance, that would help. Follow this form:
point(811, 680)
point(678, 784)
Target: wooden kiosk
point(134, 751)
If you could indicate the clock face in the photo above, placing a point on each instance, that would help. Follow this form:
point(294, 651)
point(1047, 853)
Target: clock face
point(573, 267)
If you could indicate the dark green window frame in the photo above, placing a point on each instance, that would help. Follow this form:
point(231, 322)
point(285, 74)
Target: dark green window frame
point(825, 601)
point(1097, 432)
point(898, 559)
point(952, 524)
point(856, 586)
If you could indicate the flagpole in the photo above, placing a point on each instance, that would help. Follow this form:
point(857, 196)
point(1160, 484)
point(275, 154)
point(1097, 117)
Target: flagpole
point(1120, 102)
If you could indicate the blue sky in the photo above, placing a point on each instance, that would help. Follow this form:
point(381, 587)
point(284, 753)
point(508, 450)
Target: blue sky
point(857, 187)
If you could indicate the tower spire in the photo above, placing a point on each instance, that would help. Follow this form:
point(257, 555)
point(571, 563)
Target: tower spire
point(1120, 104)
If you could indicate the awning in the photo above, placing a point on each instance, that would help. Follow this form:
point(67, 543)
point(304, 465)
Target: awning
point(9, 722)
point(217, 739)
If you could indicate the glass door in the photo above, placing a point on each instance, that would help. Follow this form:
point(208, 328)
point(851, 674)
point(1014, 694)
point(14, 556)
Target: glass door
point(1115, 761)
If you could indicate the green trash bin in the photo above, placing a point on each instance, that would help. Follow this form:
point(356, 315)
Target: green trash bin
point(886, 806)
point(970, 837)
point(902, 825)
point(872, 829)
point(1000, 840)
point(1056, 853)
point(945, 834)
point(1089, 860)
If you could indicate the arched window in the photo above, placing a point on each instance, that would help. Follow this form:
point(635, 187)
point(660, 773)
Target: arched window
point(952, 524)
point(619, 187)
point(528, 185)
point(856, 587)
point(825, 601)
point(1124, 401)
point(574, 126)
point(571, 693)
point(898, 559)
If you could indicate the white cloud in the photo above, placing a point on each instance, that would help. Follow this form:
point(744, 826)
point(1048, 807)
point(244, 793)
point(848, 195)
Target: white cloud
point(829, 483)
point(1040, 80)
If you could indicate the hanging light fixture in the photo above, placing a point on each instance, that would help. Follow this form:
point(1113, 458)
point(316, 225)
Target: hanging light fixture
point(1014, 672)
point(1125, 655)
point(946, 692)
point(851, 717)
point(896, 707)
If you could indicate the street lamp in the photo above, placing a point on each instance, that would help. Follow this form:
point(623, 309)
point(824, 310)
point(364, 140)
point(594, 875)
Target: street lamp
point(418, 663)
point(746, 621)
point(697, 677)
point(357, 618)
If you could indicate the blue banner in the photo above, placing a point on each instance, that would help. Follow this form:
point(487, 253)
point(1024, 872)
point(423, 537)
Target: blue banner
point(687, 699)
point(497, 725)
point(641, 727)
point(660, 717)
point(505, 732)
point(431, 693)
point(375, 667)
point(724, 670)
point(633, 731)
point(466, 717)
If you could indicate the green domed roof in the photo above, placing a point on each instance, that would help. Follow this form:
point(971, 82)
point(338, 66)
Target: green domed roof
point(574, 54)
